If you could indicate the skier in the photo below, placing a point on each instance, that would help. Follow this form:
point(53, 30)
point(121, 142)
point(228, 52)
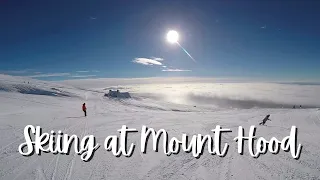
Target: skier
point(265, 120)
point(84, 109)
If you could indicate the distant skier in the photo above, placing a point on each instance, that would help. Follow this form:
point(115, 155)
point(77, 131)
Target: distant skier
point(265, 120)
point(84, 109)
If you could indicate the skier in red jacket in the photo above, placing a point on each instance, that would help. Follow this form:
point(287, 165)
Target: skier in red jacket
point(84, 109)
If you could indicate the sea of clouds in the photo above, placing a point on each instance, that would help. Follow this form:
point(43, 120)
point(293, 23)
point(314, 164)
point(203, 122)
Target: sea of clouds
point(225, 93)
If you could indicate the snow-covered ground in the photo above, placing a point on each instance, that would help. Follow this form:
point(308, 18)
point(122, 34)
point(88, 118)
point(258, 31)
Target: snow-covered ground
point(184, 107)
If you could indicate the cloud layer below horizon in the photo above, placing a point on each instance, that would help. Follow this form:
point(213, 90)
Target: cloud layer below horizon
point(210, 91)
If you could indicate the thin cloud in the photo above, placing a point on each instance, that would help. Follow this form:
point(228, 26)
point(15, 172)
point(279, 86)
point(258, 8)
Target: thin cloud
point(147, 61)
point(50, 75)
point(157, 59)
point(83, 71)
point(86, 71)
point(82, 76)
point(176, 70)
point(164, 66)
point(17, 71)
point(264, 27)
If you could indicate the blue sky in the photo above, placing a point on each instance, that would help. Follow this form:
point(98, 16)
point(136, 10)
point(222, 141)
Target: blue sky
point(56, 40)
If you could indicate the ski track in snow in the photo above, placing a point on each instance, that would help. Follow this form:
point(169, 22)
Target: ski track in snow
point(106, 116)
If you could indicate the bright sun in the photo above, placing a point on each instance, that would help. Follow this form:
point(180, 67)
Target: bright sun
point(172, 36)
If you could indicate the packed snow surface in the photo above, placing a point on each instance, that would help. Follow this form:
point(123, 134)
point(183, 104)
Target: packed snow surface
point(185, 107)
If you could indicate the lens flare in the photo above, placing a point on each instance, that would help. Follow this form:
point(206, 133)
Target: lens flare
point(173, 37)
point(186, 51)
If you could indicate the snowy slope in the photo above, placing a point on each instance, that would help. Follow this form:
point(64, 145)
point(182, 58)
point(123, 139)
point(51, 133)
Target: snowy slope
point(176, 116)
point(25, 85)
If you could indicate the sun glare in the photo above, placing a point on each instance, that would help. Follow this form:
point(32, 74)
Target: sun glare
point(172, 36)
